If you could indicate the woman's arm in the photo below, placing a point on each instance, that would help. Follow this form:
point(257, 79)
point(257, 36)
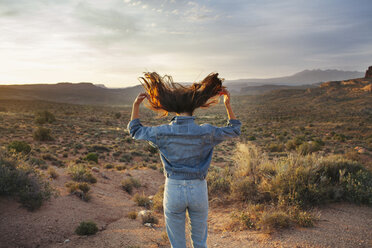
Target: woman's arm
point(226, 100)
point(137, 102)
point(135, 128)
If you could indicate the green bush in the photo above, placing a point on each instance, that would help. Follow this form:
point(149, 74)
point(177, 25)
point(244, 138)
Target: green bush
point(149, 218)
point(132, 215)
point(86, 228)
point(43, 117)
point(271, 220)
point(128, 184)
point(20, 180)
point(80, 173)
point(219, 180)
point(80, 189)
point(157, 201)
point(141, 200)
point(291, 184)
point(92, 157)
point(42, 134)
point(19, 147)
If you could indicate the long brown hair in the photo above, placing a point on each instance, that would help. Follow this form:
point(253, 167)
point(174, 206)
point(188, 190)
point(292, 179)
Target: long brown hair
point(167, 96)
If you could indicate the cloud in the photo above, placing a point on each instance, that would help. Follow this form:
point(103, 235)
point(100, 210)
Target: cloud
point(116, 40)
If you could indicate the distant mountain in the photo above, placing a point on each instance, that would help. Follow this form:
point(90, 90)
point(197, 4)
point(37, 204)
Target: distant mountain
point(98, 94)
point(300, 78)
point(79, 93)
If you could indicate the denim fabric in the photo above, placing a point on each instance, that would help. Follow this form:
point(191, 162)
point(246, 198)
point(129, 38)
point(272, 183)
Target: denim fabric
point(182, 195)
point(185, 148)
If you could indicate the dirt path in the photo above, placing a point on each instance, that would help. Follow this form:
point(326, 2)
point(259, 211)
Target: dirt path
point(341, 225)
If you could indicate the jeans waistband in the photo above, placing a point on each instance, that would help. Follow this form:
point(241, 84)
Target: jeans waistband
point(185, 176)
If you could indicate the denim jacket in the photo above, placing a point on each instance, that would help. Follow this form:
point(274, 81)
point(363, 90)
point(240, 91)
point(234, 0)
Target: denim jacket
point(185, 148)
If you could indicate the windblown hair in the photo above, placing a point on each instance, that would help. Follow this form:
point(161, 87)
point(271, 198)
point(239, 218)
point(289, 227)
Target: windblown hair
point(167, 96)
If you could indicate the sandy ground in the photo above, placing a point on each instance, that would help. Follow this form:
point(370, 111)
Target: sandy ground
point(341, 224)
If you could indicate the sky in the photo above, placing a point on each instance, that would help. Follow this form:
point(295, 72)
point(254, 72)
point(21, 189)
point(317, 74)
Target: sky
point(113, 42)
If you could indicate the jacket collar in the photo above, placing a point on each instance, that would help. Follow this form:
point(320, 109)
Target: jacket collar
point(182, 119)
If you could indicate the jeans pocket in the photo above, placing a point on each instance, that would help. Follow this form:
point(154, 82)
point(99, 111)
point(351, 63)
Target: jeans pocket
point(173, 200)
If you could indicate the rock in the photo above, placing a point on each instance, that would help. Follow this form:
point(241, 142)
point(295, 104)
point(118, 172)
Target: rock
point(66, 241)
point(95, 169)
point(144, 213)
point(369, 72)
point(151, 197)
point(104, 176)
point(148, 224)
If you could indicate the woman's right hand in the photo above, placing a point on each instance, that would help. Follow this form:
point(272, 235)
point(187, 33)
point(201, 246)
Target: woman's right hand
point(139, 99)
point(226, 96)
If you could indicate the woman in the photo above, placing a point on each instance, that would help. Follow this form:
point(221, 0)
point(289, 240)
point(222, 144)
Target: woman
point(185, 148)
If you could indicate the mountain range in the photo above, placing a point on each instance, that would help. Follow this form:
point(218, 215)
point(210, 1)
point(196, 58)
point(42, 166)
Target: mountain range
point(89, 93)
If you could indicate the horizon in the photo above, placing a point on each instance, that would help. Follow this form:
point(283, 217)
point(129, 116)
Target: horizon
point(134, 85)
point(115, 41)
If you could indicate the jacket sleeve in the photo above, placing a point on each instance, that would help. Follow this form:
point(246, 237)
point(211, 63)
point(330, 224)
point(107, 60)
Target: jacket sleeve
point(231, 130)
point(139, 132)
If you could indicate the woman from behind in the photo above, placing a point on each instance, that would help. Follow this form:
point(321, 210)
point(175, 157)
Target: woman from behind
point(185, 148)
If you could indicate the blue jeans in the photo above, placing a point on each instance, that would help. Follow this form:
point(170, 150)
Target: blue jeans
point(182, 195)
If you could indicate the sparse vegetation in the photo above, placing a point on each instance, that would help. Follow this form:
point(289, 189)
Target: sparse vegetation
point(19, 180)
point(42, 134)
point(86, 228)
point(19, 147)
point(43, 117)
point(128, 184)
point(149, 217)
point(92, 157)
point(141, 200)
point(80, 173)
point(132, 215)
point(80, 189)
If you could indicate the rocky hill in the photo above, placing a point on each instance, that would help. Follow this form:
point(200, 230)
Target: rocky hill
point(80, 93)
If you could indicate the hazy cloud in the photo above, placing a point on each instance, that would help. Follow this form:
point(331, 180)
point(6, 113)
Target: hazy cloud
point(114, 41)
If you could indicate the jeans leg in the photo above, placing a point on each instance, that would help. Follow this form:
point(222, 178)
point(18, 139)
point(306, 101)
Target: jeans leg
point(198, 212)
point(175, 212)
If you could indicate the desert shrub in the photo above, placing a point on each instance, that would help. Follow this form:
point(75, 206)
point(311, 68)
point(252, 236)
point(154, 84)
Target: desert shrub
point(40, 163)
point(109, 166)
point(80, 173)
point(149, 217)
point(80, 189)
point(303, 218)
point(151, 149)
point(120, 167)
point(273, 147)
point(128, 184)
point(309, 147)
point(218, 180)
point(290, 145)
point(141, 200)
point(125, 158)
point(86, 228)
point(43, 117)
point(52, 173)
point(42, 134)
point(157, 200)
point(20, 180)
point(357, 186)
point(271, 220)
point(98, 148)
point(92, 157)
point(297, 179)
point(78, 146)
point(19, 147)
point(132, 215)
point(244, 189)
point(117, 115)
